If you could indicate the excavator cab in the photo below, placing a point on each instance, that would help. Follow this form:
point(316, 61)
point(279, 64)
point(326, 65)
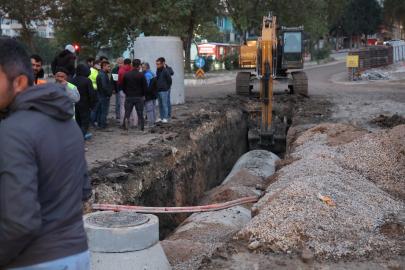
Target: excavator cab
point(291, 45)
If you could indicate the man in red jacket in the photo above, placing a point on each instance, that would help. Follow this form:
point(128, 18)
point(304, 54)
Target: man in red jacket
point(127, 67)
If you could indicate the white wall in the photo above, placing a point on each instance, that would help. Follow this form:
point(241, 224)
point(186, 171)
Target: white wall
point(149, 49)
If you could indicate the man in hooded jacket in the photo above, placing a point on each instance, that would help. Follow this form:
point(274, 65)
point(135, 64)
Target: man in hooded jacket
point(87, 97)
point(65, 59)
point(43, 172)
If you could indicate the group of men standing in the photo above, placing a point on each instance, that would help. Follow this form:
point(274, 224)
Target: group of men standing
point(93, 86)
point(43, 172)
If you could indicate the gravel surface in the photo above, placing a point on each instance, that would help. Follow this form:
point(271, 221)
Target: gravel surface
point(367, 221)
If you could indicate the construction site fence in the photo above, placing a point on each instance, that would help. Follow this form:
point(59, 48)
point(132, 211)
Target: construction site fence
point(377, 56)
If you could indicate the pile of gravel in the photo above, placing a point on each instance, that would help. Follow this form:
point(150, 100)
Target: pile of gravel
point(367, 221)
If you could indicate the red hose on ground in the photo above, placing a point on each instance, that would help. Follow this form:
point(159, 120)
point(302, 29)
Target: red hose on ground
point(187, 209)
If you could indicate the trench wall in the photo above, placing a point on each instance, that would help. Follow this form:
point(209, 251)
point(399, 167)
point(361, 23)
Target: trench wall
point(176, 172)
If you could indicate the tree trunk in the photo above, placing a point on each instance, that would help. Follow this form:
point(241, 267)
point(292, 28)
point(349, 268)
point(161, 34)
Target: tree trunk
point(350, 42)
point(311, 49)
point(190, 33)
point(30, 39)
point(365, 38)
point(358, 41)
point(337, 42)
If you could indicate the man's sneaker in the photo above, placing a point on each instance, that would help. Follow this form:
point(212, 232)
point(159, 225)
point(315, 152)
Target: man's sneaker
point(158, 120)
point(164, 121)
point(126, 124)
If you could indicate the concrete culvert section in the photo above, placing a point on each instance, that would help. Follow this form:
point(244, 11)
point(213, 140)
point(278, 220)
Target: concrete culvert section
point(124, 240)
point(203, 234)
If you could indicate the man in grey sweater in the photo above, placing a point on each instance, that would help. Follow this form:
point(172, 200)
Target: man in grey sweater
point(43, 171)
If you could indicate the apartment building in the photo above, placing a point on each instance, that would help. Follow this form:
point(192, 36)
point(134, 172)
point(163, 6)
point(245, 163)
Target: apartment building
point(12, 28)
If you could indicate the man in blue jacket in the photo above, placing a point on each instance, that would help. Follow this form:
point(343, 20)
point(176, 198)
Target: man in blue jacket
point(43, 171)
point(150, 103)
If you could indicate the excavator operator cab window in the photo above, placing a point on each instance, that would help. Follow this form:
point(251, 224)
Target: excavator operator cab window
point(292, 42)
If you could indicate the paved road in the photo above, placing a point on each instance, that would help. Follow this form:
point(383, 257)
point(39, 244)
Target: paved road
point(339, 55)
point(356, 104)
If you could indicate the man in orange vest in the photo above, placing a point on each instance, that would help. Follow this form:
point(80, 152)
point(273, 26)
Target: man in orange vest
point(36, 64)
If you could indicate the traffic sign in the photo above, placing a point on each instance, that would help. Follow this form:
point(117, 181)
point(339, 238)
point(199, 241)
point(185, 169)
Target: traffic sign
point(352, 61)
point(200, 62)
point(199, 73)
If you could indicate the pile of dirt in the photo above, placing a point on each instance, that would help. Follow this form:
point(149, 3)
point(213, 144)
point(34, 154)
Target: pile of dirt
point(388, 122)
point(294, 218)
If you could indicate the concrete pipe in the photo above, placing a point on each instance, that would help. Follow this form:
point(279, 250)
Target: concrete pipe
point(124, 240)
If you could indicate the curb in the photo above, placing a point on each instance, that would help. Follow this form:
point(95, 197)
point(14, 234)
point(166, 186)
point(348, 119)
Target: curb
point(219, 80)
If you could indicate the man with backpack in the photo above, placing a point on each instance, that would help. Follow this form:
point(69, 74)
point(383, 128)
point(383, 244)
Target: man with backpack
point(151, 95)
point(135, 87)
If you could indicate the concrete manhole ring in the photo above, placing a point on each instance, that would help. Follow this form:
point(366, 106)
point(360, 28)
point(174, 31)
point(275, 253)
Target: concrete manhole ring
point(117, 219)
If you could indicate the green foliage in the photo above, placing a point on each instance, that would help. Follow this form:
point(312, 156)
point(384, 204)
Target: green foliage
point(45, 47)
point(323, 53)
point(231, 61)
point(27, 11)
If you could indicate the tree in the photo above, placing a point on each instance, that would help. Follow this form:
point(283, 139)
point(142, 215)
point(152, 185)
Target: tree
point(27, 12)
point(371, 17)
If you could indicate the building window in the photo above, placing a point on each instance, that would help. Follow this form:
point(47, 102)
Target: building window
point(221, 22)
point(14, 22)
point(42, 33)
point(7, 32)
point(51, 34)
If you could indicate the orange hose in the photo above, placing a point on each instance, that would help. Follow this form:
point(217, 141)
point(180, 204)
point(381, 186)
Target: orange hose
point(187, 209)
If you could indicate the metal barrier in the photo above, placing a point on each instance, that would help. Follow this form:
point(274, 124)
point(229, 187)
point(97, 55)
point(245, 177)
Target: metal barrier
point(377, 56)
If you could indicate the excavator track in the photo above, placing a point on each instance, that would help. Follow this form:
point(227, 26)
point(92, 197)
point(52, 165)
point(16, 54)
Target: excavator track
point(243, 86)
point(300, 83)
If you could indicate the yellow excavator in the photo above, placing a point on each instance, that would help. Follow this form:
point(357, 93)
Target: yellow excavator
point(277, 50)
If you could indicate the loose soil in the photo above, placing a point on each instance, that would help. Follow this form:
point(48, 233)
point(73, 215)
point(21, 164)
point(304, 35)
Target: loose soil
point(176, 163)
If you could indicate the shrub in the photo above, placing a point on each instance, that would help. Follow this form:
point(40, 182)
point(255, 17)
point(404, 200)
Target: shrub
point(231, 61)
point(322, 53)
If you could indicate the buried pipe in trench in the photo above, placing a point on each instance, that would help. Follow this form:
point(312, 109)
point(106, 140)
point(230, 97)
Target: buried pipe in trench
point(186, 209)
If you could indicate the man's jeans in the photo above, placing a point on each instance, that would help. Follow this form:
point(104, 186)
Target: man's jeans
point(105, 107)
point(130, 102)
point(163, 110)
point(117, 104)
point(169, 104)
point(122, 111)
point(150, 107)
point(79, 261)
point(96, 112)
point(83, 120)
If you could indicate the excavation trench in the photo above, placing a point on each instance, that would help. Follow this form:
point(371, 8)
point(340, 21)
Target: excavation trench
point(178, 170)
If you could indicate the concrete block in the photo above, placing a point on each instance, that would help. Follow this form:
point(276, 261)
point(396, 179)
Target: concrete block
point(124, 239)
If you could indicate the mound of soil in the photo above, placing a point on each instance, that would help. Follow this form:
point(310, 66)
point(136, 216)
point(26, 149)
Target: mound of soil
point(388, 122)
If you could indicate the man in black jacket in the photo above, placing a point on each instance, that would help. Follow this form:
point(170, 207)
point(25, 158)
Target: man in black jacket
point(134, 86)
point(169, 103)
point(65, 59)
point(164, 83)
point(104, 93)
point(115, 86)
point(87, 100)
point(43, 172)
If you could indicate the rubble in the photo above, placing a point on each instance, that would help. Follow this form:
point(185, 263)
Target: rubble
point(353, 177)
point(388, 122)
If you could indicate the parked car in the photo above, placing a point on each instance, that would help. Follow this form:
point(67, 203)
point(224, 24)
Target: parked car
point(393, 42)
